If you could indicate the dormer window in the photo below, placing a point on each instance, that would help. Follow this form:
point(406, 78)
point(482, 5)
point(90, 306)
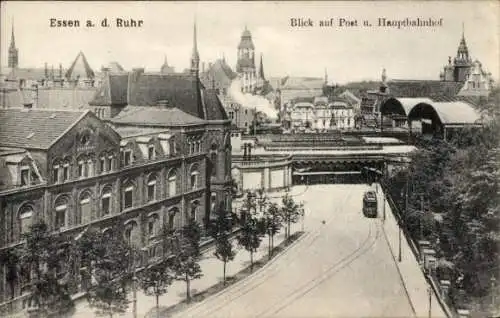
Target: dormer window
point(25, 176)
point(127, 157)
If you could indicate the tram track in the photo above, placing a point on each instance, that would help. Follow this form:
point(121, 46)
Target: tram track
point(306, 288)
point(255, 280)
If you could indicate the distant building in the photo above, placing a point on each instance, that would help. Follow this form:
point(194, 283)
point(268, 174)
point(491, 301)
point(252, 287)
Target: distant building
point(167, 69)
point(474, 79)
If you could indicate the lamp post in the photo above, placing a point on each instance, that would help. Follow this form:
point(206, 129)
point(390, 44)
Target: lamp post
point(384, 176)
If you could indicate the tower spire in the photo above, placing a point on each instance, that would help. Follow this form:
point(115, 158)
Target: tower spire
point(195, 56)
point(13, 60)
point(261, 69)
point(326, 76)
point(463, 30)
point(12, 37)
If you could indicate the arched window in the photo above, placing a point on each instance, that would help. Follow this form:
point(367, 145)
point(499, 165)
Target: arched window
point(172, 183)
point(85, 209)
point(106, 201)
point(151, 187)
point(56, 171)
point(127, 195)
point(82, 167)
point(25, 218)
point(61, 210)
point(153, 225)
point(194, 177)
point(90, 167)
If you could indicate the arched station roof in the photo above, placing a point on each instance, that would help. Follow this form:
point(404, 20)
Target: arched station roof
point(401, 106)
point(448, 113)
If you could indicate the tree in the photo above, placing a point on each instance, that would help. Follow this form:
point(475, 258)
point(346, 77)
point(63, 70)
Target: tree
point(109, 258)
point(221, 229)
point(273, 222)
point(155, 280)
point(186, 263)
point(251, 232)
point(44, 259)
point(290, 212)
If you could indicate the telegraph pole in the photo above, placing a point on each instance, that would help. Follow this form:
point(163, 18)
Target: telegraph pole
point(429, 290)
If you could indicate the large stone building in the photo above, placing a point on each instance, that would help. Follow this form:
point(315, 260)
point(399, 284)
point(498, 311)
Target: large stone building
point(159, 155)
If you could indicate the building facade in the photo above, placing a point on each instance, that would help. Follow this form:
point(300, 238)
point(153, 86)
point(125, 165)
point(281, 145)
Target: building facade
point(158, 156)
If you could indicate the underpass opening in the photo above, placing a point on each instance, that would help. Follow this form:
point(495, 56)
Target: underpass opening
point(327, 177)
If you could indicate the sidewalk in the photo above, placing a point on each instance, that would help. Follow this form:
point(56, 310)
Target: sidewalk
point(411, 275)
point(212, 274)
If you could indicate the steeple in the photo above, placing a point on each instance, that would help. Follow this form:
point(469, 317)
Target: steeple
point(261, 69)
point(463, 51)
point(12, 37)
point(165, 62)
point(195, 56)
point(13, 60)
point(326, 77)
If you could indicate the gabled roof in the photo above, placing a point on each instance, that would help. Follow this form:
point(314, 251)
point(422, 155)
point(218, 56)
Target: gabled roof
point(182, 91)
point(35, 128)
point(423, 88)
point(154, 116)
point(80, 68)
point(219, 72)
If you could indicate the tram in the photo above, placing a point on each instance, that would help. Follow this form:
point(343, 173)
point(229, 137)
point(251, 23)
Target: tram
point(370, 204)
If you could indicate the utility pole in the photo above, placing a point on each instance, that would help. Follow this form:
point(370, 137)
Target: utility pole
point(429, 290)
point(421, 216)
point(492, 291)
point(384, 176)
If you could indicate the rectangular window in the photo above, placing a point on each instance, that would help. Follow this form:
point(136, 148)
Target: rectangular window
point(151, 191)
point(128, 198)
point(55, 174)
point(25, 176)
point(60, 216)
point(106, 204)
point(172, 187)
point(127, 156)
point(109, 163)
point(65, 172)
point(90, 168)
point(102, 163)
point(81, 169)
point(151, 152)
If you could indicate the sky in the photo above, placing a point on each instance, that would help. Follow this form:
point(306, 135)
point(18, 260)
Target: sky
point(347, 53)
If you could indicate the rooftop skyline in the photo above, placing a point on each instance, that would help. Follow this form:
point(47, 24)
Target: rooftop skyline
point(348, 54)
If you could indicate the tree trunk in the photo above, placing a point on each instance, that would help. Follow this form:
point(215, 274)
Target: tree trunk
point(272, 244)
point(270, 247)
point(188, 292)
point(157, 306)
point(224, 275)
point(251, 260)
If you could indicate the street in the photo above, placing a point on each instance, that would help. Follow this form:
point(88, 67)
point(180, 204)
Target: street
point(340, 268)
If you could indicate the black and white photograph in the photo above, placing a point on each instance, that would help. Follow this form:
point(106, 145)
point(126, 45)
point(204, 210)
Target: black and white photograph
point(250, 159)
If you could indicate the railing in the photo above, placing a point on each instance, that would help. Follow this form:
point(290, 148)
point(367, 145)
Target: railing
point(429, 275)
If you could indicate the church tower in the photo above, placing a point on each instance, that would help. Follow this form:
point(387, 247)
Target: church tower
point(195, 56)
point(13, 51)
point(245, 66)
point(462, 61)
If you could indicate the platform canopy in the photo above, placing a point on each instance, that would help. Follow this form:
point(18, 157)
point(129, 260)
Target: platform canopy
point(457, 113)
